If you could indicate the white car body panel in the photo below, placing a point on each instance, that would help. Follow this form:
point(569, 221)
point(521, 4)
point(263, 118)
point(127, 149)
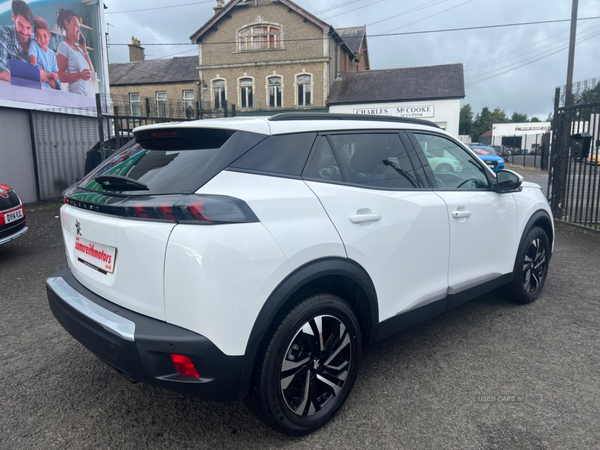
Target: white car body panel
point(483, 245)
point(391, 249)
point(278, 203)
point(217, 279)
point(531, 200)
point(137, 281)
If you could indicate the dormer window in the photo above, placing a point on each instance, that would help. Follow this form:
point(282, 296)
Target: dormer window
point(261, 37)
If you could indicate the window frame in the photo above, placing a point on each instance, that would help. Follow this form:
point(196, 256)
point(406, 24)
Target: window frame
point(429, 171)
point(241, 93)
point(132, 103)
point(222, 97)
point(274, 40)
point(161, 104)
point(297, 85)
point(406, 144)
point(187, 102)
point(268, 88)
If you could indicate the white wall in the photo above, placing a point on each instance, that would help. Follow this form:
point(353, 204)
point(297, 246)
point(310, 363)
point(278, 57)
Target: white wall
point(16, 159)
point(445, 113)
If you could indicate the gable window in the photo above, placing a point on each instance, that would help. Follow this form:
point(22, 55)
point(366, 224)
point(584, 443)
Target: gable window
point(219, 93)
point(247, 93)
point(304, 83)
point(260, 37)
point(134, 104)
point(275, 92)
point(161, 104)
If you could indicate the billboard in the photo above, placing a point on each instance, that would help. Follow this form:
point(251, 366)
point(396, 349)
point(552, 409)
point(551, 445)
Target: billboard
point(52, 55)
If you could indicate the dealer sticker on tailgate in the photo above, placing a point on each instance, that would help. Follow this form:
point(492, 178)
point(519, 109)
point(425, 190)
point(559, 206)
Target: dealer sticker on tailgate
point(96, 256)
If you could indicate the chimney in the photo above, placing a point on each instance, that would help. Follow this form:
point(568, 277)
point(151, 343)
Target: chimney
point(136, 51)
point(219, 7)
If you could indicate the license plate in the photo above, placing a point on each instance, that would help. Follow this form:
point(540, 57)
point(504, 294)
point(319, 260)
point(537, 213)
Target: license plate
point(96, 256)
point(12, 216)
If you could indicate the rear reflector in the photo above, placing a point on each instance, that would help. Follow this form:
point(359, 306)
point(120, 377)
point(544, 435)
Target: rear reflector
point(184, 366)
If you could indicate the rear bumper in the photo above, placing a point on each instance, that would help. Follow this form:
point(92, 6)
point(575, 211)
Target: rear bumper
point(139, 346)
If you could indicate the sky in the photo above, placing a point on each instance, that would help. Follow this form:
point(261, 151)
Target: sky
point(514, 68)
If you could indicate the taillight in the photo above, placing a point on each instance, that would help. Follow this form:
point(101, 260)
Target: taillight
point(184, 209)
point(184, 366)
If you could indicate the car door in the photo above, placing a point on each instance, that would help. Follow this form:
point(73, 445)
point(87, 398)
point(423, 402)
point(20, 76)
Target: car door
point(483, 223)
point(390, 221)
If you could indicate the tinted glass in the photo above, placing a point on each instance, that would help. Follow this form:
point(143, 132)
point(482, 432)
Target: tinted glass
point(375, 160)
point(453, 167)
point(282, 155)
point(323, 165)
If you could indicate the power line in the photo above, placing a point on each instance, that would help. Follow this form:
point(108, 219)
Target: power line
point(530, 62)
point(408, 11)
point(159, 7)
point(341, 5)
point(355, 9)
point(433, 15)
point(406, 33)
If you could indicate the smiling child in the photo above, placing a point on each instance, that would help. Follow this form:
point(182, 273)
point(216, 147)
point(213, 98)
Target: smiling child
point(40, 55)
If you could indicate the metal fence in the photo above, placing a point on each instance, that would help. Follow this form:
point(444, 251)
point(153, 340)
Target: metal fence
point(528, 151)
point(574, 176)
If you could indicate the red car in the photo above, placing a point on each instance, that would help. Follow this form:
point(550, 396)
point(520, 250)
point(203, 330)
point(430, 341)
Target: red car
point(12, 215)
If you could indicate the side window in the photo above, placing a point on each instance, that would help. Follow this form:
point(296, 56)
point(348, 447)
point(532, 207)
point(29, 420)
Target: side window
point(453, 167)
point(323, 165)
point(375, 160)
point(282, 155)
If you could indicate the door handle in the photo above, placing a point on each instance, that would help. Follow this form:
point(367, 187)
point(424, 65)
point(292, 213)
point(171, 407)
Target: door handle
point(459, 214)
point(362, 218)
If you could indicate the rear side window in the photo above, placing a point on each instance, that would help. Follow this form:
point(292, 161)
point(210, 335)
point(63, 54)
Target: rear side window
point(279, 155)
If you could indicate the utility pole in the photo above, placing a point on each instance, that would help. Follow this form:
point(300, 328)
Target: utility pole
point(563, 126)
point(569, 98)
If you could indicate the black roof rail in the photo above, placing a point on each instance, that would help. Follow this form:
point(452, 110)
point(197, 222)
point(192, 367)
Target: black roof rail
point(334, 116)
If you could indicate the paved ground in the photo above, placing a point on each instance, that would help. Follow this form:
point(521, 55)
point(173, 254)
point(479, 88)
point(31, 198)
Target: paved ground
point(487, 375)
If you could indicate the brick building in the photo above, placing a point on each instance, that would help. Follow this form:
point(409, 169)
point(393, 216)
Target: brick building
point(268, 56)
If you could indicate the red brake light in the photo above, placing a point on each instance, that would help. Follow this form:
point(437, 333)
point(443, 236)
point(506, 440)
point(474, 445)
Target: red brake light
point(164, 133)
point(199, 211)
point(139, 210)
point(184, 366)
point(167, 211)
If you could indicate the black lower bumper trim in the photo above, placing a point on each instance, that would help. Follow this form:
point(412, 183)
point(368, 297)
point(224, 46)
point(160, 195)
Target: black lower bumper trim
point(147, 358)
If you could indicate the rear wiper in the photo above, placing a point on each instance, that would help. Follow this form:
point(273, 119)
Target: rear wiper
point(119, 183)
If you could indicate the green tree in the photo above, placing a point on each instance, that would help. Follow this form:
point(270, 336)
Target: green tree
point(550, 117)
point(466, 119)
point(519, 117)
point(499, 116)
point(589, 96)
point(535, 119)
point(482, 123)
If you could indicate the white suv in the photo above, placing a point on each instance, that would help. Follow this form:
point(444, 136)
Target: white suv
point(251, 258)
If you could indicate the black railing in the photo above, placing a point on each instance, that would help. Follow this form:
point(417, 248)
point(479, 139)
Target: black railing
point(574, 176)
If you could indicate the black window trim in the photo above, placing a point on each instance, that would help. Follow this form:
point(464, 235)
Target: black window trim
point(327, 135)
point(429, 172)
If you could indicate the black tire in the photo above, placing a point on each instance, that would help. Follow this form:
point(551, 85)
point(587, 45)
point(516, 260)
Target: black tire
point(301, 380)
point(531, 268)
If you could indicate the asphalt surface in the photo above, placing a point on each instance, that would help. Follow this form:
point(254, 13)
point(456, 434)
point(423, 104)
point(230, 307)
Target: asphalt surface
point(486, 375)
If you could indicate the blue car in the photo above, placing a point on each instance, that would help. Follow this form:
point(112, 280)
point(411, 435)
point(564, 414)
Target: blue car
point(489, 156)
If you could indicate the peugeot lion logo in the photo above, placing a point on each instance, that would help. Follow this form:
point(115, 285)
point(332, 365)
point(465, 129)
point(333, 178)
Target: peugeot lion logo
point(78, 226)
point(3, 193)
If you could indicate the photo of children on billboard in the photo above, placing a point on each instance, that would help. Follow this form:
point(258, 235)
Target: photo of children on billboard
point(49, 52)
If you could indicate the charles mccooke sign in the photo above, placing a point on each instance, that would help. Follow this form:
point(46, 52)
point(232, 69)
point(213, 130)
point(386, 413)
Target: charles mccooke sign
point(399, 111)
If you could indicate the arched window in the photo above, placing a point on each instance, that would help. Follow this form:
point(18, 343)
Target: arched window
point(260, 37)
point(246, 93)
point(304, 83)
point(219, 97)
point(275, 91)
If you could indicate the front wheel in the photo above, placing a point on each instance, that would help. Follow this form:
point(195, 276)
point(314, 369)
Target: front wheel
point(309, 366)
point(531, 268)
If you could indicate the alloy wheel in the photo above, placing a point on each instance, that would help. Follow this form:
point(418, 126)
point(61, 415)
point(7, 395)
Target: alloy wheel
point(316, 365)
point(534, 265)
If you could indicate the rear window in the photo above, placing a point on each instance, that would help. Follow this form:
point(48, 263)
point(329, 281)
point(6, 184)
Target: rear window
point(172, 170)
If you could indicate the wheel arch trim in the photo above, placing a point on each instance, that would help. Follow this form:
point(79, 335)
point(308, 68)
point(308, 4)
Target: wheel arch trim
point(284, 294)
point(537, 217)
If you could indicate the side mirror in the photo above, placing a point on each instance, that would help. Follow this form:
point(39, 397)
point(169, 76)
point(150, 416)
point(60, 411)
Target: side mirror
point(508, 181)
